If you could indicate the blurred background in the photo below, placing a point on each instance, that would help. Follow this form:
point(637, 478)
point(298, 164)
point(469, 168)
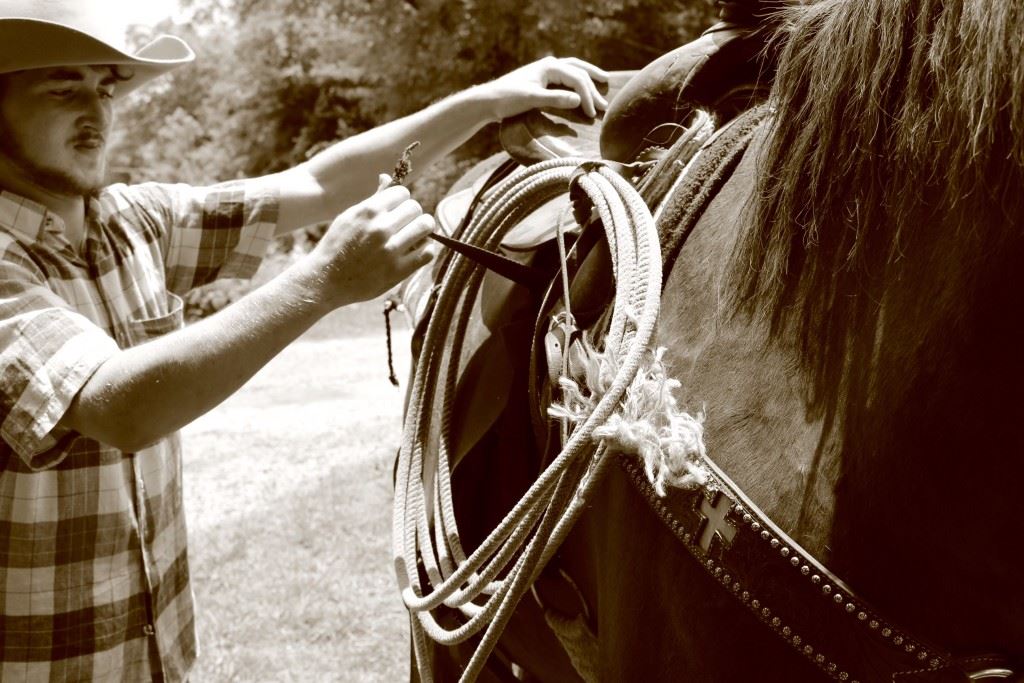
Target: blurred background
point(288, 483)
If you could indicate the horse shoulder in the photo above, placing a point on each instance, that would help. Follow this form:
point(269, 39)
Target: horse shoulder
point(747, 385)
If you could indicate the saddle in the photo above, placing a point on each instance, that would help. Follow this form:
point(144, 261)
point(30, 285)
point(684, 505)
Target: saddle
point(648, 112)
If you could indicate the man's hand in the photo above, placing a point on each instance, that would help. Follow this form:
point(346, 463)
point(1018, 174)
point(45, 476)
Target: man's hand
point(528, 87)
point(372, 246)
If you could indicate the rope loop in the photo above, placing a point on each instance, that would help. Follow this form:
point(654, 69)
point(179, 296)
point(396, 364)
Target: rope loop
point(487, 584)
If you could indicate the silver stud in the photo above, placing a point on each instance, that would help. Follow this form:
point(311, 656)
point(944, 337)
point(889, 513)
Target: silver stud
point(873, 624)
point(765, 535)
point(838, 598)
point(898, 640)
point(736, 587)
point(832, 667)
point(909, 647)
point(776, 622)
point(765, 612)
point(805, 570)
point(747, 519)
point(756, 526)
point(795, 561)
point(718, 571)
point(843, 675)
point(826, 589)
point(861, 616)
point(922, 655)
point(797, 640)
point(726, 579)
point(786, 631)
point(820, 659)
point(774, 543)
point(808, 649)
point(745, 596)
point(850, 607)
point(755, 604)
point(815, 579)
point(886, 632)
point(785, 552)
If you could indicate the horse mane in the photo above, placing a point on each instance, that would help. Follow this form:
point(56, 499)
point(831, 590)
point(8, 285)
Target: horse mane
point(890, 188)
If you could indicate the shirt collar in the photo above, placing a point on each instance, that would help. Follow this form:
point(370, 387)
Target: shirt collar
point(26, 218)
point(33, 222)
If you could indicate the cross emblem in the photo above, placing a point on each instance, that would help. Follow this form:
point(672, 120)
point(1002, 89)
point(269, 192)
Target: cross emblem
point(713, 509)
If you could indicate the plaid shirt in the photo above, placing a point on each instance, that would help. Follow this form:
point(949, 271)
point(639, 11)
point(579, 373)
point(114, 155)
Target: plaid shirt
point(94, 580)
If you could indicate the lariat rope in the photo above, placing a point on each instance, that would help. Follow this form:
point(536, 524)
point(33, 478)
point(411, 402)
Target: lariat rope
point(425, 533)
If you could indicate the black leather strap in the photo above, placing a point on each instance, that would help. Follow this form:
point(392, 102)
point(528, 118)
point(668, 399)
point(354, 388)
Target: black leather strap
point(794, 595)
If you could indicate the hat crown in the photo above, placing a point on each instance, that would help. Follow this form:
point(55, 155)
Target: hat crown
point(37, 34)
point(97, 18)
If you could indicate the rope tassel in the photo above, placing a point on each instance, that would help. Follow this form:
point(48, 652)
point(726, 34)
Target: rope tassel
point(649, 423)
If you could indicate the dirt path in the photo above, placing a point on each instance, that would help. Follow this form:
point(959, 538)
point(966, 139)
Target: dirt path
point(288, 492)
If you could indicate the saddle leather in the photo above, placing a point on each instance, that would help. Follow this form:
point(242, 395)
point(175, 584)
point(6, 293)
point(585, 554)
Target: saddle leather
point(532, 231)
point(544, 134)
point(716, 72)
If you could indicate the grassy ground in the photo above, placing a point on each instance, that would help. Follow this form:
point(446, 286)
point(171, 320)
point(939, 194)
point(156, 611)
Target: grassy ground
point(288, 492)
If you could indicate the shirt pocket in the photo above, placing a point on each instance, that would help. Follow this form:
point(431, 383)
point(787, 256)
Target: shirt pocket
point(141, 330)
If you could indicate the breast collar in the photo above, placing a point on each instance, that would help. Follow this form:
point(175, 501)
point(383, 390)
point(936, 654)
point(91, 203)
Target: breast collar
point(797, 597)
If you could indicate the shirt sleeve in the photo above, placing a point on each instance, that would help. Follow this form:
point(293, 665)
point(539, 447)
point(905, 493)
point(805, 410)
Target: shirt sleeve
point(47, 353)
point(206, 233)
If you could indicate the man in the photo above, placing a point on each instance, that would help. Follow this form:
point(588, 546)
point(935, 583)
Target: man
point(98, 372)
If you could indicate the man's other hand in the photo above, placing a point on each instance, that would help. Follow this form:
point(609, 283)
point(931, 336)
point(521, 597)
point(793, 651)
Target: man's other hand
point(372, 246)
point(547, 83)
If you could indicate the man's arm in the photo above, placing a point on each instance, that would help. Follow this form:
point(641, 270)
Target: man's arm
point(334, 179)
point(141, 394)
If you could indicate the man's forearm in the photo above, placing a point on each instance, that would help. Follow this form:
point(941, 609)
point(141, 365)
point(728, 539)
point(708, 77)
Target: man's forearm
point(146, 392)
point(347, 171)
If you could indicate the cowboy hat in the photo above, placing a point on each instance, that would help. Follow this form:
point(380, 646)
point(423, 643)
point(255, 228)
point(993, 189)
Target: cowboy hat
point(36, 34)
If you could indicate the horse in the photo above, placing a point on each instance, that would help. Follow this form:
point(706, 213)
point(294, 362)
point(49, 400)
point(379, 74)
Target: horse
point(838, 312)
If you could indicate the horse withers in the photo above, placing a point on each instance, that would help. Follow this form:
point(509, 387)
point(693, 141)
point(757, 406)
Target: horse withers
point(840, 305)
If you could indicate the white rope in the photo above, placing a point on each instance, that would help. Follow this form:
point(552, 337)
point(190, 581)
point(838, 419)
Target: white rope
point(425, 533)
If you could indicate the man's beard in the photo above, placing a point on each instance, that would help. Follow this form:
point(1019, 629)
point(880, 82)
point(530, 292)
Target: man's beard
point(52, 179)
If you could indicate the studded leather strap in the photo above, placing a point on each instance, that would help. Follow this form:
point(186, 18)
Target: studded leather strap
point(794, 595)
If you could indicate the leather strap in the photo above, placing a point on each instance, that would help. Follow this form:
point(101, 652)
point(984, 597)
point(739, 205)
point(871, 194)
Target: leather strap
point(535, 279)
point(794, 595)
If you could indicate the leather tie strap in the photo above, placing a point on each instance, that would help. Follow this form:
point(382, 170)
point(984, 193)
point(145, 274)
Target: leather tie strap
point(533, 278)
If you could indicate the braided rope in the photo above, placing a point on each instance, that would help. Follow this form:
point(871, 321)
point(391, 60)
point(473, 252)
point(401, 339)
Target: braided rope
point(425, 533)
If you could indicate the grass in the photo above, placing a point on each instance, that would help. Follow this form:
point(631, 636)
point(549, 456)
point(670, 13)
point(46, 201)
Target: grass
point(288, 495)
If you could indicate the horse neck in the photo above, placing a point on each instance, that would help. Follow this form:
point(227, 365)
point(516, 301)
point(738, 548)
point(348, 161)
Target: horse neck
point(913, 496)
point(928, 506)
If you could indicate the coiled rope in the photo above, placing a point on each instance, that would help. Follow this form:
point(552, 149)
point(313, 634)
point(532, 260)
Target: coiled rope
point(425, 533)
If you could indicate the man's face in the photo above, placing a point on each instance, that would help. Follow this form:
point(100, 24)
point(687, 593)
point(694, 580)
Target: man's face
point(54, 126)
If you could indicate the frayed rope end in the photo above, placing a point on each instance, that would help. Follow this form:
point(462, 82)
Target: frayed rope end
point(648, 424)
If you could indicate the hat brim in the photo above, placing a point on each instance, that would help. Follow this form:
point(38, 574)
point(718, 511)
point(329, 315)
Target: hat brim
point(43, 44)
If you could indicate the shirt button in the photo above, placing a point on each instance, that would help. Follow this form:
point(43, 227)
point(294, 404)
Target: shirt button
point(148, 629)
